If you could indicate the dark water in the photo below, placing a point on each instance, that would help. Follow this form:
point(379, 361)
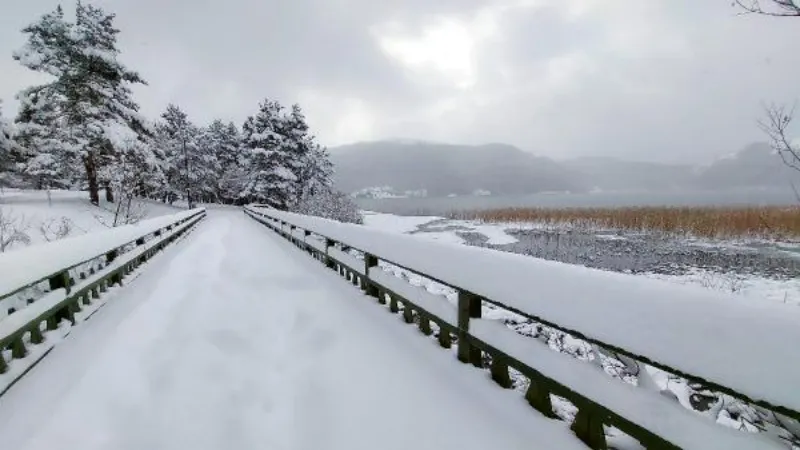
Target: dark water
point(441, 206)
point(653, 253)
point(641, 252)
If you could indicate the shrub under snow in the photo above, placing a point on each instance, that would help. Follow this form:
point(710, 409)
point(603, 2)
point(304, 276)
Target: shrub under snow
point(330, 205)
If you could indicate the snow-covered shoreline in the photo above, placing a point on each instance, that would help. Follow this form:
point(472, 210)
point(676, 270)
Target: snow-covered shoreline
point(773, 290)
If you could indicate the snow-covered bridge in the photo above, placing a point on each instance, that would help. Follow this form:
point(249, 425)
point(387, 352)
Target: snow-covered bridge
point(232, 338)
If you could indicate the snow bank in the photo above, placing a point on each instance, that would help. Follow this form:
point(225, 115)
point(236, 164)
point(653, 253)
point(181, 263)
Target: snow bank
point(22, 267)
point(34, 209)
point(495, 234)
point(397, 224)
point(721, 338)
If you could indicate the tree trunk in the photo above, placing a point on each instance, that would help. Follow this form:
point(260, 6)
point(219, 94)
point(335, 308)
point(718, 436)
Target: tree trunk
point(91, 177)
point(109, 194)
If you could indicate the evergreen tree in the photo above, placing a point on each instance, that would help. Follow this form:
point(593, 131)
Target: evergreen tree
point(90, 89)
point(5, 133)
point(48, 157)
point(224, 143)
point(317, 171)
point(270, 178)
point(7, 146)
point(178, 138)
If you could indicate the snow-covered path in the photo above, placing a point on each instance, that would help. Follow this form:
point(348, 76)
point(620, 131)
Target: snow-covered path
point(234, 339)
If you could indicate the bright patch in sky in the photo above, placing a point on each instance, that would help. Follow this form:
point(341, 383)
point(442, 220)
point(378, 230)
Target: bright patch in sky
point(446, 47)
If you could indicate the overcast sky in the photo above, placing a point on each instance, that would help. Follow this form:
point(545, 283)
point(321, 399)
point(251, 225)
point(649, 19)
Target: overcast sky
point(664, 80)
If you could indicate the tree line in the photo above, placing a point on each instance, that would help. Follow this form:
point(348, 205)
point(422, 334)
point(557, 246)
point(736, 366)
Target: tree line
point(83, 130)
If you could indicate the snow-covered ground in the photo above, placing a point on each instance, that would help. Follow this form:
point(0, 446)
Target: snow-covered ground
point(40, 215)
point(240, 341)
point(784, 291)
point(437, 228)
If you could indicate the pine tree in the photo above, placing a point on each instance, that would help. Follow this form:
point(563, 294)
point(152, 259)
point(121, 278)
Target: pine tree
point(90, 86)
point(5, 133)
point(48, 158)
point(270, 178)
point(224, 143)
point(7, 146)
point(184, 162)
point(317, 172)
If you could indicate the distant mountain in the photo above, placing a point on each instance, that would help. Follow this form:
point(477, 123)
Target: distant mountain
point(757, 165)
point(399, 167)
point(443, 169)
point(612, 174)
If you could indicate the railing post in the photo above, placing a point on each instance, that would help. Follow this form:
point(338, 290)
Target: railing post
point(59, 281)
point(18, 350)
point(466, 352)
point(408, 311)
point(588, 427)
point(499, 370)
point(328, 260)
point(475, 307)
point(370, 261)
point(424, 324)
point(444, 337)
point(538, 396)
point(36, 333)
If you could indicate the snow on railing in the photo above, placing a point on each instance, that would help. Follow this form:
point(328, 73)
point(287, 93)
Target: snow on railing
point(69, 274)
point(725, 345)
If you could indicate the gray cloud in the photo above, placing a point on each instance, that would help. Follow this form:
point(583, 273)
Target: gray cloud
point(663, 80)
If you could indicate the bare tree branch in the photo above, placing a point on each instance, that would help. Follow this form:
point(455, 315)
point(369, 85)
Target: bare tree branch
point(13, 230)
point(776, 123)
point(53, 230)
point(775, 8)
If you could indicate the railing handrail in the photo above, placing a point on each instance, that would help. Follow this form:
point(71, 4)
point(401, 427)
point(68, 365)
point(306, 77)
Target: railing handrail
point(23, 268)
point(769, 384)
point(68, 296)
point(654, 420)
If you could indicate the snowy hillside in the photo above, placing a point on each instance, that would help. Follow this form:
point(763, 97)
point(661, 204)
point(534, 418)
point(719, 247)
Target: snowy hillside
point(64, 213)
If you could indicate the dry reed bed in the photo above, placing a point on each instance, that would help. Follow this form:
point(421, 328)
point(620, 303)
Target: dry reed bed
point(782, 223)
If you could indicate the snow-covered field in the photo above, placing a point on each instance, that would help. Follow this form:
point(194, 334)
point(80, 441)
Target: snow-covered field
point(44, 217)
point(779, 291)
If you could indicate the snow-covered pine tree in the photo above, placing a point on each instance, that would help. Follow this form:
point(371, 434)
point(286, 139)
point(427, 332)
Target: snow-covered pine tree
point(192, 168)
point(6, 142)
point(206, 168)
point(47, 157)
point(224, 142)
point(5, 133)
point(270, 175)
point(298, 145)
point(319, 197)
point(317, 172)
point(90, 84)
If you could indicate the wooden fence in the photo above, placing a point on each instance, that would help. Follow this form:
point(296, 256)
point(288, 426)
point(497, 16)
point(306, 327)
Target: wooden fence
point(81, 277)
point(649, 417)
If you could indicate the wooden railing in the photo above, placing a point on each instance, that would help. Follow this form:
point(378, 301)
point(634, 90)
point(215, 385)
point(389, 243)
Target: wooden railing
point(70, 275)
point(650, 417)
